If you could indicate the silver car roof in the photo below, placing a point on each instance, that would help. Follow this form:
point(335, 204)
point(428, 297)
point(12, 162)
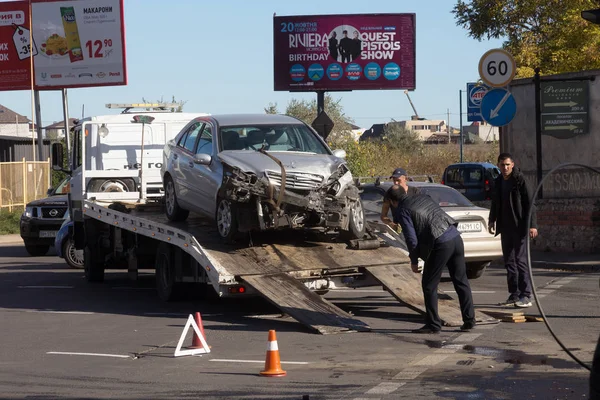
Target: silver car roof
point(249, 119)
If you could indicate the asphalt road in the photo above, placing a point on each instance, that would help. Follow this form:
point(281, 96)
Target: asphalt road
point(64, 338)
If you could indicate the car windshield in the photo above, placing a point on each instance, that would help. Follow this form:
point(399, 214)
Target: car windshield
point(446, 196)
point(462, 175)
point(282, 137)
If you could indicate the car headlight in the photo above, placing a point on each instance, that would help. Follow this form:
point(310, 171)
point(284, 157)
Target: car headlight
point(28, 212)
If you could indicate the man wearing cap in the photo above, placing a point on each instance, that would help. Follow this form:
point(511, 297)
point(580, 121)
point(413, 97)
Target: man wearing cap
point(400, 178)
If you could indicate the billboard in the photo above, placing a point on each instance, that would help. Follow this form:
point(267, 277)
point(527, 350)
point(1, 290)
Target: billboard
point(81, 43)
point(475, 93)
point(15, 49)
point(344, 52)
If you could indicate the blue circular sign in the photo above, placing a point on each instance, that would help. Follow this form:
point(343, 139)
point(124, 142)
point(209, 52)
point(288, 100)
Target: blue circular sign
point(372, 71)
point(498, 107)
point(297, 72)
point(353, 71)
point(335, 71)
point(316, 72)
point(391, 71)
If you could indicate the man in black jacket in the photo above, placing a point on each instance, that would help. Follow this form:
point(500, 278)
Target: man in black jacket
point(431, 235)
point(511, 203)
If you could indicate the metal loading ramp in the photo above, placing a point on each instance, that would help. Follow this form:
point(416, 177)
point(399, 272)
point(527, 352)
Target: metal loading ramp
point(308, 308)
point(405, 286)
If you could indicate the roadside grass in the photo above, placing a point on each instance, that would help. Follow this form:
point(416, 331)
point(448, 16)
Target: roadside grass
point(9, 222)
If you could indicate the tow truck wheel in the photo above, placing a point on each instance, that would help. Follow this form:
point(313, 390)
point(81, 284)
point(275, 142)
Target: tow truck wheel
point(227, 223)
point(93, 264)
point(36, 249)
point(173, 211)
point(356, 225)
point(73, 257)
point(165, 274)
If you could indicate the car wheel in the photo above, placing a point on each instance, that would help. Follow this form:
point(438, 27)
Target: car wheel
point(36, 249)
point(173, 211)
point(476, 269)
point(73, 257)
point(226, 218)
point(356, 224)
point(166, 287)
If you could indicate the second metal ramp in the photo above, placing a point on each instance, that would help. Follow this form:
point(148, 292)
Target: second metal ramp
point(405, 286)
point(310, 309)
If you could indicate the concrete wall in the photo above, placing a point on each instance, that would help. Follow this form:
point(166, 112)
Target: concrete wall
point(20, 130)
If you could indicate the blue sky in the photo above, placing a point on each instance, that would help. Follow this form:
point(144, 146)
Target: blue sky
point(217, 56)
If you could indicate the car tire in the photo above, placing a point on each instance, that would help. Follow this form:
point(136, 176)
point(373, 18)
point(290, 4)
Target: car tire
point(226, 219)
point(112, 185)
point(36, 250)
point(356, 223)
point(72, 256)
point(93, 264)
point(476, 269)
point(173, 210)
point(164, 266)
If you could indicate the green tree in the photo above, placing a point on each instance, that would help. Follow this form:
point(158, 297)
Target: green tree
point(549, 34)
point(306, 111)
point(400, 138)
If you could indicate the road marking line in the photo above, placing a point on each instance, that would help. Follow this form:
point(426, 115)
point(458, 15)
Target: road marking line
point(552, 286)
point(410, 373)
point(545, 291)
point(64, 312)
point(46, 287)
point(565, 281)
point(258, 362)
point(467, 337)
point(444, 350)
point(131, 288)
point(474, 291)
point(385, 388)
point(430, 360)
point(541, 296)
point(87, 354)
point(486, 326)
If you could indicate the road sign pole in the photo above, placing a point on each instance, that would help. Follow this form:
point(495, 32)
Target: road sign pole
point(320, 101)
point(460, 112)
point(538, 129)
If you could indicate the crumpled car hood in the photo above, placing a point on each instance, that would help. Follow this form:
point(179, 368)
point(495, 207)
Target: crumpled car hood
point(253, 161)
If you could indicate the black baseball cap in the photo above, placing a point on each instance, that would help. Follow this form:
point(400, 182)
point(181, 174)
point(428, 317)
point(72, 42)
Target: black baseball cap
point(398, 172)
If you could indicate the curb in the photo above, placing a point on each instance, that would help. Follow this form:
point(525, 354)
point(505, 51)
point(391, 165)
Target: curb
point(10, 239)
point(584, 267)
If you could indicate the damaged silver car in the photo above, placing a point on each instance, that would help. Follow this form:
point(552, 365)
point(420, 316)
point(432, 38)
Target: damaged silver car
point(257, 172)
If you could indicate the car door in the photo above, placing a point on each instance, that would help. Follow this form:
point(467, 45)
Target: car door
point(208, 178)
point(184, 165)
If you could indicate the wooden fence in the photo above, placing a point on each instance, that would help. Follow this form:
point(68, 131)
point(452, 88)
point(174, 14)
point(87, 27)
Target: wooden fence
point(22, 182)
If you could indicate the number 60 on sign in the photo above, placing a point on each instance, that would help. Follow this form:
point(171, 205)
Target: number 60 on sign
point(497, 68)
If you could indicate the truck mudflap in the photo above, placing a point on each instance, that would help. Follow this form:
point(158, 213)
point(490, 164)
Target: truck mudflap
point(405, 286)
point(308, 308)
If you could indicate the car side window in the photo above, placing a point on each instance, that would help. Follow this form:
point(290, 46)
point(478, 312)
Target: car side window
point(494, 172)
point(192, 135)
point(205, 143)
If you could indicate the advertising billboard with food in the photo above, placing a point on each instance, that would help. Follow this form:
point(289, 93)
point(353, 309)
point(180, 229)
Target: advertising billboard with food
point(15, 46)
point(344, 52)
point(81, 43)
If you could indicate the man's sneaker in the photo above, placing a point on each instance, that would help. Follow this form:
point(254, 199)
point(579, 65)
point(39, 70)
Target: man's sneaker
point(511, 302)
point(467, 326)
point(426, 329)
point(523, 302)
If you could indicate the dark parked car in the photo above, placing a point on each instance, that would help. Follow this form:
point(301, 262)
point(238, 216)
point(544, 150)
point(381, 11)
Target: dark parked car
point(42, 219)
point(474, 180)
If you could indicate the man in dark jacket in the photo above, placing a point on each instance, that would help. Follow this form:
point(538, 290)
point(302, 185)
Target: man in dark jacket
point(399, 177)
point(511, 203)
point(431, 235)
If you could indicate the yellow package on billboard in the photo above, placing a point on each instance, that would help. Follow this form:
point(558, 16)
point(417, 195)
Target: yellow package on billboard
point(71, 33)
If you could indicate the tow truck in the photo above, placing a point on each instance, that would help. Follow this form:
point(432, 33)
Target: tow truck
point(119, 222)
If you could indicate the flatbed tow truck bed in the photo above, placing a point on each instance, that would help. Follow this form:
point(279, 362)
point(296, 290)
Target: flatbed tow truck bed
point(281, 266)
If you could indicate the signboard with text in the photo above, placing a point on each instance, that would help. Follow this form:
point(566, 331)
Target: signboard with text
point(81, 43)
point(15, 49)
point(565, 107)
point(475, 93)
point(344, 52)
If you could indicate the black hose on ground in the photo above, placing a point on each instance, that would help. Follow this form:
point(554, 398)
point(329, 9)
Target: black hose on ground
point(596, 361)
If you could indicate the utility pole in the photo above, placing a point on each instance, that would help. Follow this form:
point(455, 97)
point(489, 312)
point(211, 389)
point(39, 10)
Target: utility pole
point(448, 128)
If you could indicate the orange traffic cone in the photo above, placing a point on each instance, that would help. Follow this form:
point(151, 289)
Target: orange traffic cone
point(196, 343)
point(273, 362)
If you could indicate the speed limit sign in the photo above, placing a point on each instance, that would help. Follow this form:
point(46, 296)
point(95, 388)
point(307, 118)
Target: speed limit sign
point(497, 68)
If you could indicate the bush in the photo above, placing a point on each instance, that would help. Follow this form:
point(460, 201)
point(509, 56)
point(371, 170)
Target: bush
point(9, 222)
point(373, 158)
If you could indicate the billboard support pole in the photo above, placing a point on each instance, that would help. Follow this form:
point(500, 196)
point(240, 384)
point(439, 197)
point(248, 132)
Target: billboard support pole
point(66, 124)
point(38, 122)
point(320, 101)
point(460, 113)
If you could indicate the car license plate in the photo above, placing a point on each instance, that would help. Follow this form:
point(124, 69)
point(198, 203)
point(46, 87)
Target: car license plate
point(48, 234)
point(469, 226)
